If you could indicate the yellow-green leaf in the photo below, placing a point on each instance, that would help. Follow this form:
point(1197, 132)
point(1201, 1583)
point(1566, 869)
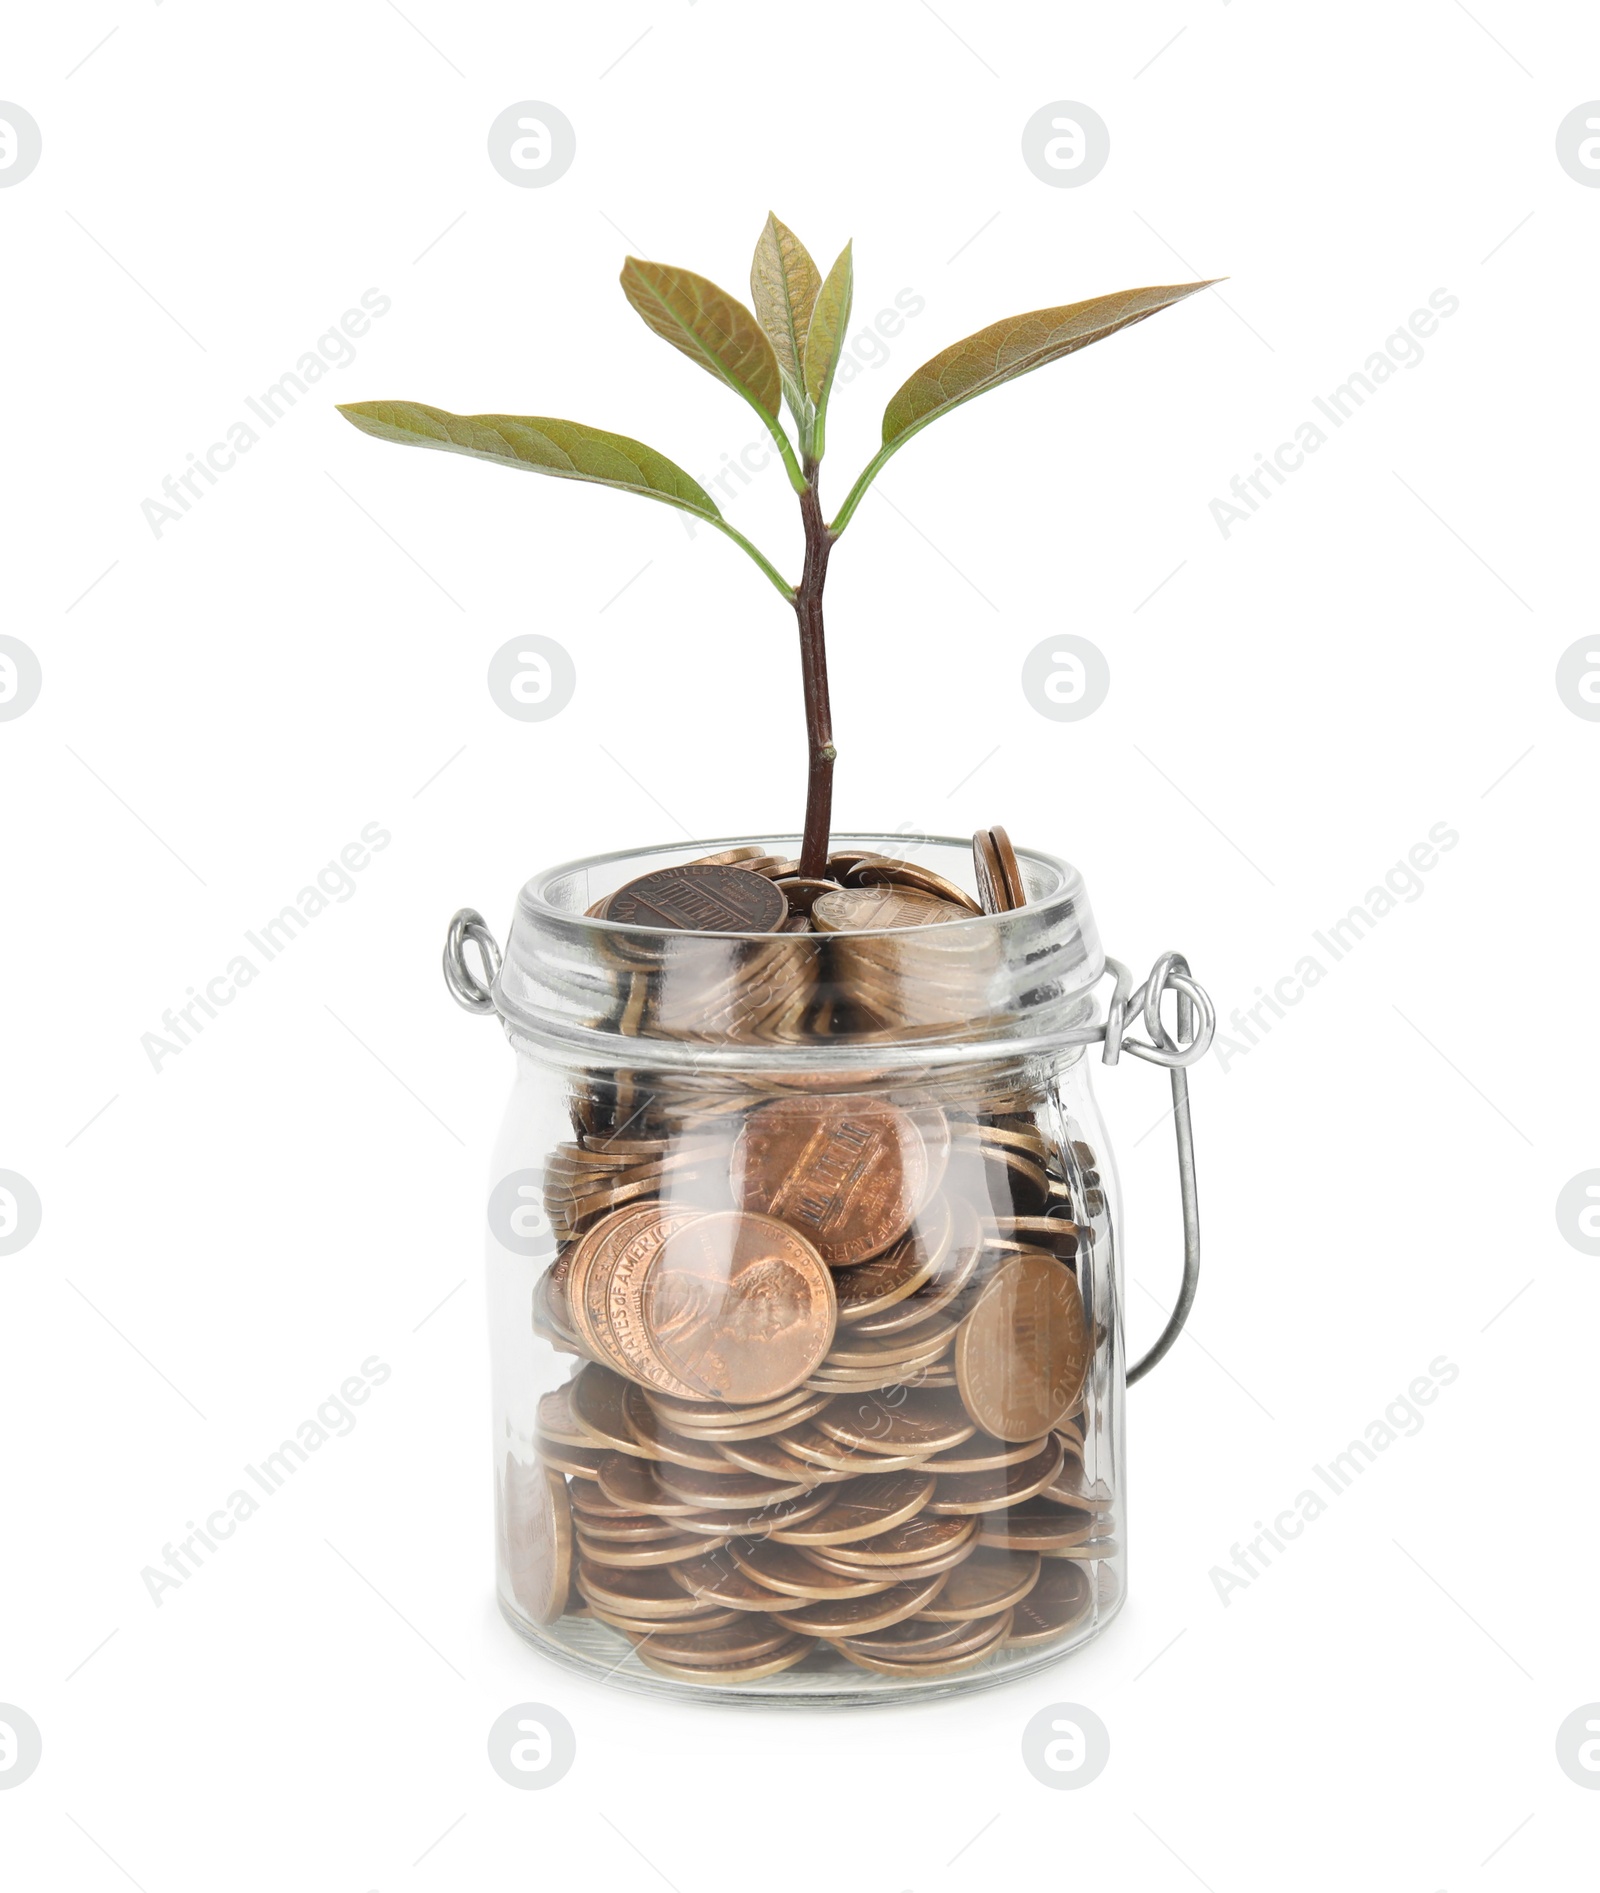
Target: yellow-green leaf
point(829, 320)
point(783, 286)
point(709, 326)
point(565, 449)
point(1015, 347)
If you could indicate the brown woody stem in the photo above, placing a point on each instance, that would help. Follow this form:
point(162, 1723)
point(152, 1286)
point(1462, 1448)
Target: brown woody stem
point(814, 676)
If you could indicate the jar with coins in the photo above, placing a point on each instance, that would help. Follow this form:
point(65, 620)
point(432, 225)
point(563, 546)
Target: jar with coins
point(803, 1270)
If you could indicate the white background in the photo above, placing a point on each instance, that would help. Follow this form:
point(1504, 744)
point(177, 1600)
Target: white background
point(304, 652)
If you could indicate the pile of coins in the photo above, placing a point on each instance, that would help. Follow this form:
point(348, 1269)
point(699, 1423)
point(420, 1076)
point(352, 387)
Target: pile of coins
point(833, 1345)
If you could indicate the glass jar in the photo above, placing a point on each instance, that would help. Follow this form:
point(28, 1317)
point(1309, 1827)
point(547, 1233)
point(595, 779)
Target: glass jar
point(804, 1293)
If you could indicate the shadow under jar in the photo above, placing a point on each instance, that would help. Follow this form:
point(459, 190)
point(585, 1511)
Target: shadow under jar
point(804, 1295)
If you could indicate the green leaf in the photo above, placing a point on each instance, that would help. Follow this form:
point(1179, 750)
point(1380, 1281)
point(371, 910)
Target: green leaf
point(710, 327)
point(783, 286)
point(567, 450)
point(825, 337)
point(1001, 353)
point(1016, 347)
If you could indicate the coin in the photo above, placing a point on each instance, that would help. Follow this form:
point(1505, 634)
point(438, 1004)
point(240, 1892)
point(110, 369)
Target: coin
point(634, 1485)
point(716, 1579)
point(606, 1553)
point(706, 1617)
point(1072, 1486)
point(911, 1639)
point(1022, 1354)
point(1010, 867)
point(831, 1458)
point(582, 1462)
point(1036, 1525)
point(937, 1666)
point(871, 1289)
point(729, 1489)
point(737, 1306)
point(643, 1230)
point(759, 1521)
point(784, 1658)
point(683, 1415)
point(624, 1528)
point(848, 1173)
point(836, 1558)
point(598, 1400)
point(726, 1425)
point(956, 1270)
point(536, 1529)
point(872, 909)
point(885, 871)
point(961, 1493)
point(990, 878)
point(556, 1418)
point(985, 1582)
point(916, 1422)
point(1059, 1602)
point(742, 854)
point(925, 1342)
point(771, 1460)
point(788, 1569)
point(984, 1453)
point(858, 1616)
point(708, 898)
point(649, 1595)
point(953, 1640)
point(745, 1639)
point(918, 1540)
point(861, 1509)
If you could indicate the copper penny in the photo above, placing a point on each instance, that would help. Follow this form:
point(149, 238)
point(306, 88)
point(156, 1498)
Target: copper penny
point(683, 1415)
point(716, 1579)
point(581, 1462)
point(634, 1484)
point(959, 1269)
point(728, 1489)
point(858, 1616)
point(795, 1650)
point(788, 1569)
point(875, 909)
point(861, 1509)
point(870, 1289)
point(740, 856)
point(738, 1307)
point(588, 1281)
point(710, 897)
point(650, 1595)
point(536, 1528)
point(771, 1461)
point(979, 1633)
point(986, 1582)
point(1023, 1353)
point(758, 1522)
point(609, 1555)
point(939, 1664)
point(707, 1617)
point(909, 1640)
point(834, 1558)
point(746, 1639)
point(556, 1418)
point(1036, 1525)
point(885, 871)
point(914, 1541)
point(984, 1453)
point(598, 1400)
point(848, 1173)
point(960, 1494)
point(1057, 1603)
point(1010, 867)
point(915, 1422)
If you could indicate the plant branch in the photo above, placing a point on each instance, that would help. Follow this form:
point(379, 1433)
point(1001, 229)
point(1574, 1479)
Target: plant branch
point(820, 752)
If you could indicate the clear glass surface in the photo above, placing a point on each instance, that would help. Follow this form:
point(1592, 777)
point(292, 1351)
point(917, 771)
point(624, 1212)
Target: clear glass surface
point(804, 1298)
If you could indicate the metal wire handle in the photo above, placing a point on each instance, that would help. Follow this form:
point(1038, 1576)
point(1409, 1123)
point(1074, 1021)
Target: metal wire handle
point(1197, 1023)
point(466, 989)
